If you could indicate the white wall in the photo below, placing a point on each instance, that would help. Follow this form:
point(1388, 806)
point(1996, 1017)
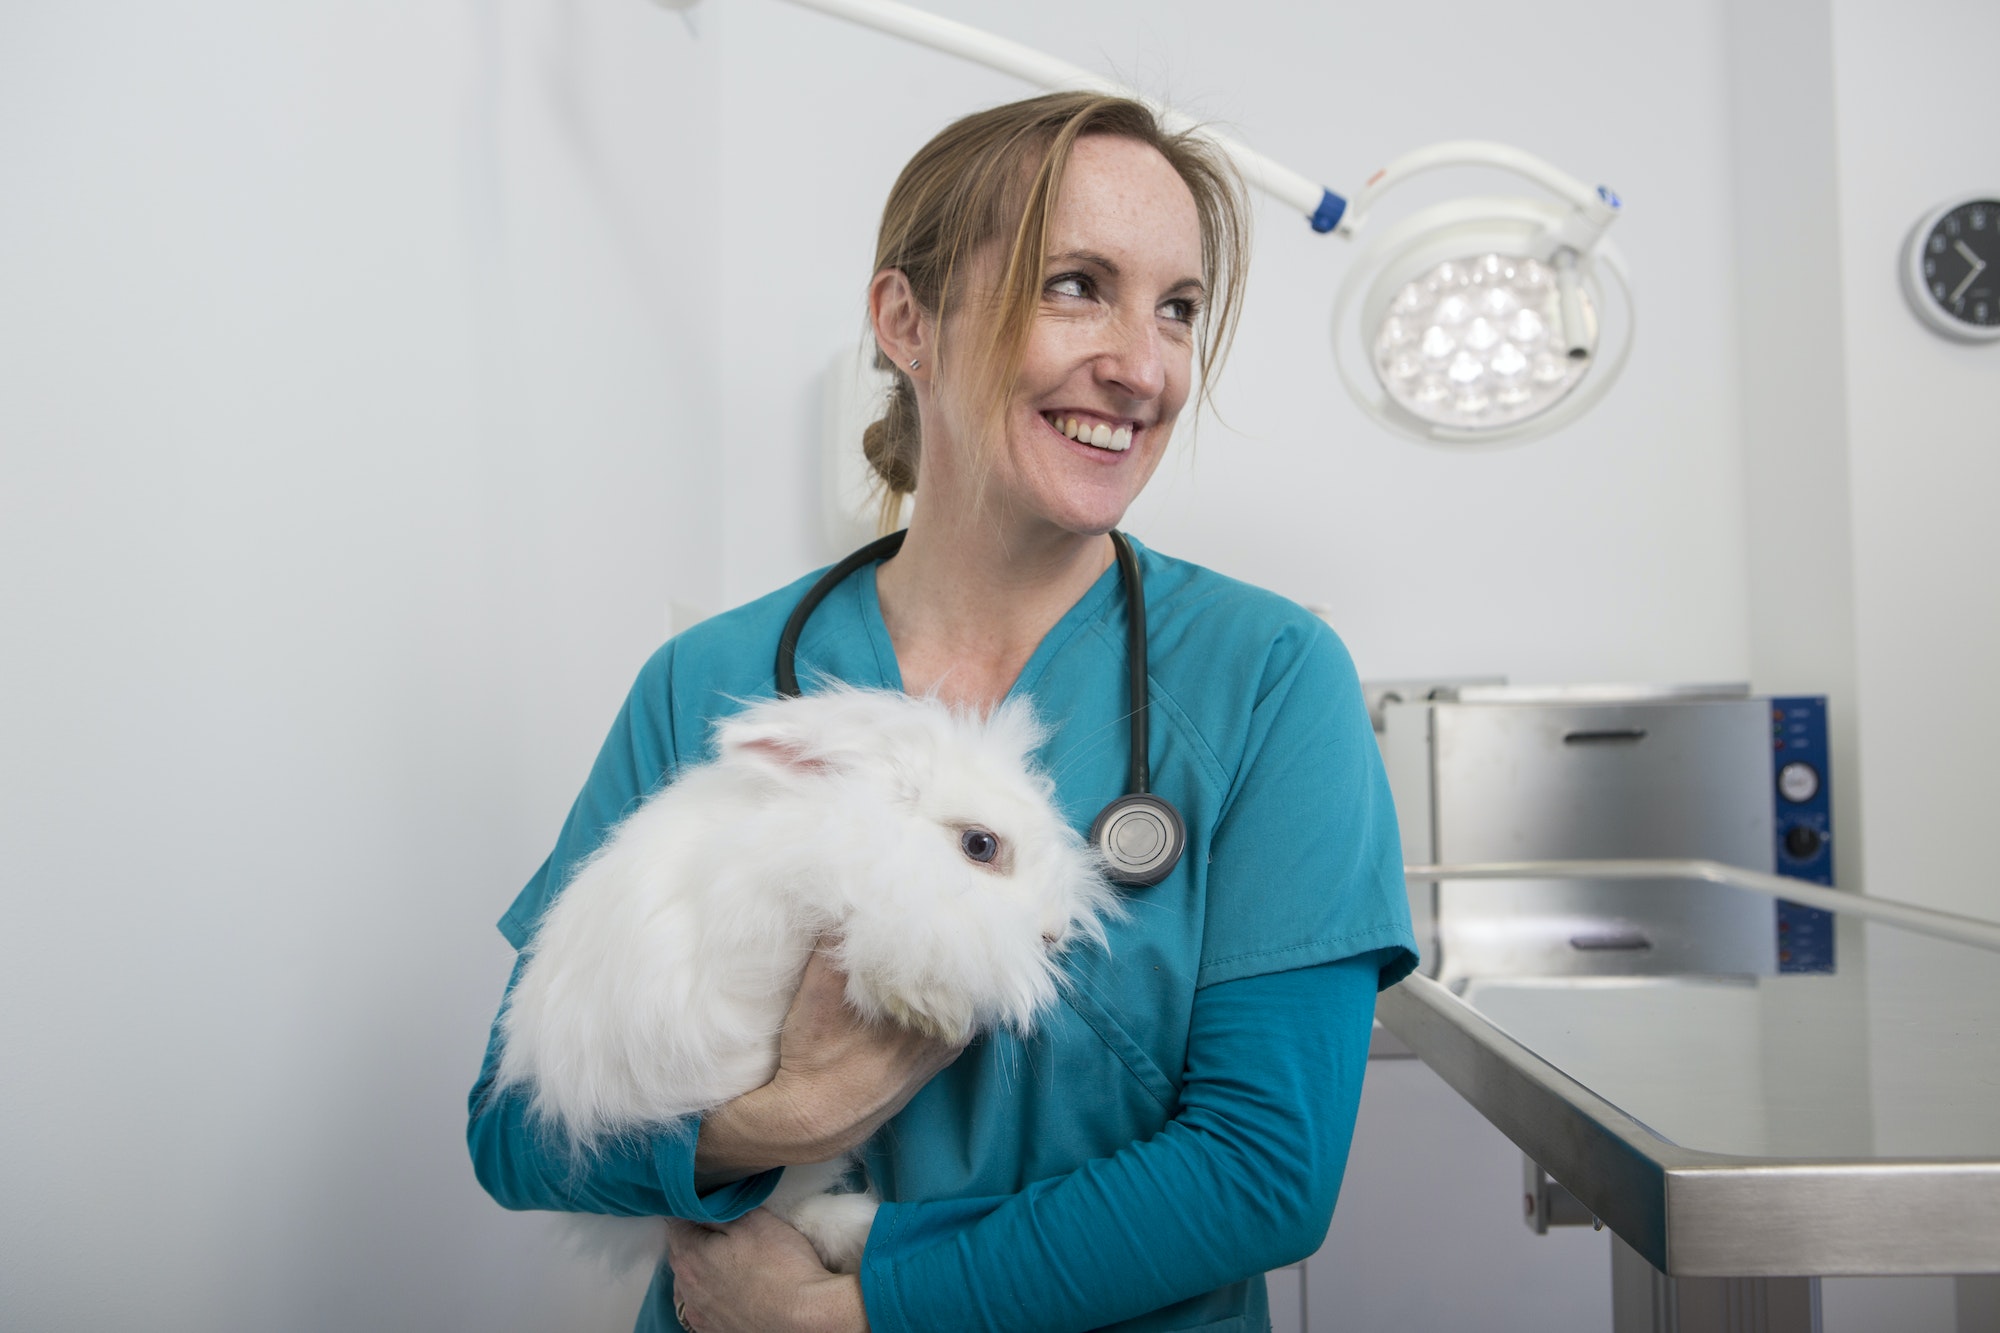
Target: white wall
point(357, 436)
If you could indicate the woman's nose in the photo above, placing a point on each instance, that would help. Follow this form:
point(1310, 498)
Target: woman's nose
point(1134, 358)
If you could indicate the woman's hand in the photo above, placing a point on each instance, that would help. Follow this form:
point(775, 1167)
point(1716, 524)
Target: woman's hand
point(757, 1275)
point(838, 1079)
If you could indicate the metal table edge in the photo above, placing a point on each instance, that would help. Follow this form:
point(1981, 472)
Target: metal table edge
point(1700, 1214)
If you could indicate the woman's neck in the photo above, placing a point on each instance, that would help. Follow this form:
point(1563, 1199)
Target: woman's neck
point(967, 603)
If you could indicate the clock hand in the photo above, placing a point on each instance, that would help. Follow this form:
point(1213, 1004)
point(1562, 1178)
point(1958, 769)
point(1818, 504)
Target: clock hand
point(1959, 290)
point(1978, 267)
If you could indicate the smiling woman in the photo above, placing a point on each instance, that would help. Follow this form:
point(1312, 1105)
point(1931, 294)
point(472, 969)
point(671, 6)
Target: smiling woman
point(991, 260)
point(1056, 282)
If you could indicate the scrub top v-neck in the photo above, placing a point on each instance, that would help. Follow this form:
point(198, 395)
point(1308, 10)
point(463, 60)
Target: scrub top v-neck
point(876, 627)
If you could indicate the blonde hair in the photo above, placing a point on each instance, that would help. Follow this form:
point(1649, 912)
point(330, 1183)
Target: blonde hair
point(1002, 169)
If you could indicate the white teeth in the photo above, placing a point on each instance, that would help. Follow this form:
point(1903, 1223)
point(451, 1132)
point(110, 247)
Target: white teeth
point(1099, 436)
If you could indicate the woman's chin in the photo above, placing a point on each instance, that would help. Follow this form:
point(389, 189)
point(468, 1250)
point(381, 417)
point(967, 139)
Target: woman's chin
point(1089, 515)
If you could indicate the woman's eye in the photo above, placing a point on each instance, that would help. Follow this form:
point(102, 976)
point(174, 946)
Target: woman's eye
point(978, 845)
point(1069, 284)
point(1182, 311)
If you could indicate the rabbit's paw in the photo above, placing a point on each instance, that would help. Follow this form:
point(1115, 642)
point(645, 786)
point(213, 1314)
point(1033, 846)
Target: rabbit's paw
point(944, 1017)
point(837, 1225)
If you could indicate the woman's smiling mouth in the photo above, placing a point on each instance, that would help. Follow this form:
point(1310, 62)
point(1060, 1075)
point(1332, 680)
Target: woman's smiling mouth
point(1099, 435)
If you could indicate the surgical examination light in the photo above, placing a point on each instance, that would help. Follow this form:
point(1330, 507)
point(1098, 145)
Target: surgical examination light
point(1477, 320)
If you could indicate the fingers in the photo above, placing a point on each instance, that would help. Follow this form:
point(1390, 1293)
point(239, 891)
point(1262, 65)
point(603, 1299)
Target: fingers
point(744, 1276)
point(688, 1246)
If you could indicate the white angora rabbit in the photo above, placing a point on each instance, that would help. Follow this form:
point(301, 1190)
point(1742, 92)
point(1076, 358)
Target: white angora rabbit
point(919, 840)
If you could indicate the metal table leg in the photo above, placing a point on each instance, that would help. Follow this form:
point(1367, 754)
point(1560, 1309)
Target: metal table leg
point(1645, 1300)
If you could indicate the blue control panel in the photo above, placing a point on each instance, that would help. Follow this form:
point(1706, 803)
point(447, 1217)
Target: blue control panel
point(1803, 828)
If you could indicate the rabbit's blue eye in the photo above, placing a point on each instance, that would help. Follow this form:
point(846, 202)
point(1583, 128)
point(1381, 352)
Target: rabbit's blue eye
point(979, 845)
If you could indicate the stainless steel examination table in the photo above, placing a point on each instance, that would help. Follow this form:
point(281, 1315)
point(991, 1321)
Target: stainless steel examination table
point(1742, 1136)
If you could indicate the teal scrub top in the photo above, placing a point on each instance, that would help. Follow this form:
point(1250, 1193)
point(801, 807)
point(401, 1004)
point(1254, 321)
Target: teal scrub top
point(1168, 1132)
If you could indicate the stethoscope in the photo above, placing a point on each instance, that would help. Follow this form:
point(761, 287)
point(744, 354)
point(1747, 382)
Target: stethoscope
point(1139, 835)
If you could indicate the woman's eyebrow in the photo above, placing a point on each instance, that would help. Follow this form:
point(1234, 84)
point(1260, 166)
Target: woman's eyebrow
point(1098, 261)
point(1090, 257)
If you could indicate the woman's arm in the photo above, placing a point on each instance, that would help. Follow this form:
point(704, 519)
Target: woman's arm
point(1242, 1180)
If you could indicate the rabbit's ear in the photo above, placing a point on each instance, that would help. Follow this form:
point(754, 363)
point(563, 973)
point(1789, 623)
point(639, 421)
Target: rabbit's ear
point(784, 753)
point(824, 734)
point(788, 737)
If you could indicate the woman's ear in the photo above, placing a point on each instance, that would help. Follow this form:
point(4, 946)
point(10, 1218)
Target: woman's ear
point(902, 330)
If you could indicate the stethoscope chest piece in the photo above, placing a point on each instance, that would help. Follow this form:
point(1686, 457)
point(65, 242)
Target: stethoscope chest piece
point(1140, 837)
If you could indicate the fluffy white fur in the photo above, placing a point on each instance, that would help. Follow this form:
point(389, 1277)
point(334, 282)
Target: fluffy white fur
point(658, 980)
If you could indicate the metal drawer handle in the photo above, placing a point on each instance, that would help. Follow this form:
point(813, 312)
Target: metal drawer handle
point(1609, 734)
point(1611, 940)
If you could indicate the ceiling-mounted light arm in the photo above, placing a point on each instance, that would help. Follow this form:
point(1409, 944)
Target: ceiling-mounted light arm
point(1594, 209)
point(1321, 206)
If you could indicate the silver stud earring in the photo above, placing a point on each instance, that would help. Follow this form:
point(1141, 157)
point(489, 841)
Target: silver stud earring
point(914, 363)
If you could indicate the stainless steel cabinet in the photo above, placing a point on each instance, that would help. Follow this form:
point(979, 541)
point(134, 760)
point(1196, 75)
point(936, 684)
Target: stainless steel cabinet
point(1497, 775)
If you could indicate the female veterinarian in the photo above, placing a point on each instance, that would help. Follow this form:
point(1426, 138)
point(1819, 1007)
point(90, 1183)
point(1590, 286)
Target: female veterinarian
point(1050, 277)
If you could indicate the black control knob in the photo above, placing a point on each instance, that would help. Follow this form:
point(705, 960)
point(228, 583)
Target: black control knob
point(1803, 842)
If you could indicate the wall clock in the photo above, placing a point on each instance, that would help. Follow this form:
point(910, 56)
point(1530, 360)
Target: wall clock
point(1951, 268)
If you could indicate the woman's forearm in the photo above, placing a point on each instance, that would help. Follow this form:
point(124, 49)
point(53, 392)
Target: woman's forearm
point(760, 1130)
point(1243, 1179)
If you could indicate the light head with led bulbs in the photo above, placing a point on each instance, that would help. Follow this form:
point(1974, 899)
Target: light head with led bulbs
point(1483, 319)
point(1468, 322)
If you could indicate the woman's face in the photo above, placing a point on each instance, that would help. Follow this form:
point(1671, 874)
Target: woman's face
point(1110, 354)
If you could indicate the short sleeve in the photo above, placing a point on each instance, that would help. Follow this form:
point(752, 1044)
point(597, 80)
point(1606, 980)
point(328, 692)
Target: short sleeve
point(637, 758)
point(1306, 863)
